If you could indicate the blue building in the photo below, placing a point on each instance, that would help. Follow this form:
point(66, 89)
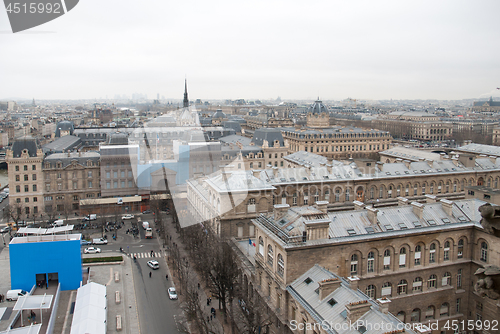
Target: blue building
point(46, 259)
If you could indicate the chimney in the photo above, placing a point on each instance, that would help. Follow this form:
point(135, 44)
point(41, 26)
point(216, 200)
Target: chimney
point(353, 283)
point(356, 310)
point(79, 153)
point(493, 159)
point(407, 163)
point(418, 209)
point(384, 304)
point(275, 171)
point(256, 173)
point(69, 154)
point(455, 161)
point(402, 201)
point(280, 211)
point(372, 215)
point(430, 163)
point(322, 206)
point(430, 198)
point(447, 206)
point(327, 286)
point(358, 205)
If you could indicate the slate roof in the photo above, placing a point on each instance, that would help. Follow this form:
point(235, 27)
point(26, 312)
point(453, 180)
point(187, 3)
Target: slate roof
point(29, 143)
point(269, 134)
point(62, 144)
point(65, 126)
point(304, 291)
point(317, 108)
point(480, 149)
point(66, 159)
point(304, 158)
point(237, 182)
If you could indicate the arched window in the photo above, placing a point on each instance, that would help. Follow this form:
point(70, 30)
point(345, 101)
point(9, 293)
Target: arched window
point(370, 291)
point(430, 313)
point(432, 253)
point(417, 284)
point(415, 315)
point(446, 279)
point(418, 255)
point(281, 265)
point(402, 287)
point(484, 252)
point(401, 316)
point(372, 192)
point(423, 188)
point(387, 289)
point(387, 259)
point(446, 251)
point(460, 253)
point(402, 257)
point(354, 264)
point(270, 257)
point(261, 246)
point(431, 283)
point(444, 311)
point(371, 262)
point(251, 201)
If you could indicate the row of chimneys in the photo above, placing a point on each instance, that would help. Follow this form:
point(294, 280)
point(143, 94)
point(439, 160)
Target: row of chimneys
point(418, 208)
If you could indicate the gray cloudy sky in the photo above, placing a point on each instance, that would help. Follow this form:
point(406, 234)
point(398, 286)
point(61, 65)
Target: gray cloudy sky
point(370, 49)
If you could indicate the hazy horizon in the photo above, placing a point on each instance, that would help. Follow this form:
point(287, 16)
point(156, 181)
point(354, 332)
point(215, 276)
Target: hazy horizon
point(366, 50)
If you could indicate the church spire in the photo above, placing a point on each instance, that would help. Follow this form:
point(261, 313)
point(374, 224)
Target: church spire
point(185, 102)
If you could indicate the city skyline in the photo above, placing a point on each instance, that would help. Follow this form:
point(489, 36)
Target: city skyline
point(359, 50)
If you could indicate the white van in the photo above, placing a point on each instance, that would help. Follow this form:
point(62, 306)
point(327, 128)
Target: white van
point(14, 294)
point(59, 222)
point(145, 225)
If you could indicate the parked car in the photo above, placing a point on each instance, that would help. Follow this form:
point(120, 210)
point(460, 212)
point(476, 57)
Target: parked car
point(146, 212)
point(92, 250)
point(15, 294)
point(89, 217)
point(128, 217)
point(5, 229)
point(153, 264)
point(100, 241)
point(85, 242)
point(172, 294)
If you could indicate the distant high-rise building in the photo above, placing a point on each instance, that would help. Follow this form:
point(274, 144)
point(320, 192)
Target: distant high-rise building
point(185, 102)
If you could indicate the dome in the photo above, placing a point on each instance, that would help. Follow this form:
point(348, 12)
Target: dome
point(317, 108)
point(219, 114)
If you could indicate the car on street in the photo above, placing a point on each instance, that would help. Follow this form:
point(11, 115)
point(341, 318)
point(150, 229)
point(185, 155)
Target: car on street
point(146, 212)
point(127, 217)
point(85, 242)
point(100, 241)
point(92, 250)
point(153, 264)
point(172, 294)
point(5, 229)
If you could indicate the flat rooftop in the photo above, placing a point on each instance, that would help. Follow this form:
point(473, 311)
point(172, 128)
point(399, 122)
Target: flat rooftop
point(46, 238)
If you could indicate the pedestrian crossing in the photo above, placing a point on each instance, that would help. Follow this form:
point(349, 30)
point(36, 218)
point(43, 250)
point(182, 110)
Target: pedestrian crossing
point(145, 255)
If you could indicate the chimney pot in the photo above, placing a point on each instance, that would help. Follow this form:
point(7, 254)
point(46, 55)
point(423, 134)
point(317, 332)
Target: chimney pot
point(418, 209)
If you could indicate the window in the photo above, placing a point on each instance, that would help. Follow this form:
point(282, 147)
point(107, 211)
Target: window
point(484, 252)
point(401, 316)
point(33, 177)
point(460, 253)
point(446, 251)
point(446, 279)
point(26, 199)
point(270, 255)
point(371, 262)
point(386, 289)
point(17, 168)
point(25, 167)
point(418, 255)
point(402, 287)
point(431, 283)
point(130, 184)
point(415, 315)
point(17, 178)
point(402, 257)
point(115, 184)
point(444, 311)
point(26, 178)
point(108, 185)
point(90, 184)
point(459, 278)
point(27, 210)
point(432, 253)
point(129, 173)
point(75, 198)
point(417, 284)
point(122, 173)
point(387, 259)
point(26, 188)
point(370, 291)
point(281, 265)
point(123, 184)
point(89, 173)
point(458, 305)
point(34, 187)
point(115, 174)
point(429, 314)
point(35, 199)
point(354, 264)
point(261, 246)
point(18, 200)
point(108, 175)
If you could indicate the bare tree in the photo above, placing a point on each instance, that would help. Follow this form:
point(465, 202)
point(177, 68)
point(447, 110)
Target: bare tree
point(14, 212)
point(251, 314)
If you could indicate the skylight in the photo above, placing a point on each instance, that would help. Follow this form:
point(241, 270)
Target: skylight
point(402, 226)
point(431, 222)
point(417, 224)
point(344, 314)
point(369, 229)
point(350, 231)
point(445, 220)
point(332, 302)
point(389, 227)
point(308, 280)
point(462, 219)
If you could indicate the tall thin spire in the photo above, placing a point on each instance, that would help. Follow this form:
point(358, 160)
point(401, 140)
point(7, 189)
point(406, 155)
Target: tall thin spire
point(185, 102)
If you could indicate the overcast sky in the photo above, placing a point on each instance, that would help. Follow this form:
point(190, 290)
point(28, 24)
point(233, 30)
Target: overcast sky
point(257, 49)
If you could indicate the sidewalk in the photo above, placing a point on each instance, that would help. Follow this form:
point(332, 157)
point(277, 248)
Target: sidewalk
point(204, 293)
